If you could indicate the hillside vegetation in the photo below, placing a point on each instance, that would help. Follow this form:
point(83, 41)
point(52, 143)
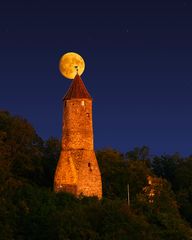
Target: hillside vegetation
point(160, 192)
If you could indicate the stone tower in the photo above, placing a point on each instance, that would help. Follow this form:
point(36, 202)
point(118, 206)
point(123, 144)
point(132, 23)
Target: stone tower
point(77, 170)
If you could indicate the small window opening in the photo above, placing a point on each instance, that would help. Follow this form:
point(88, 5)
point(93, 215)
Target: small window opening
point(88, 115)
point(82, 103)
point(90, 166)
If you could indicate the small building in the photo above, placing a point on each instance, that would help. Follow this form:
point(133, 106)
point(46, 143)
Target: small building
point(153, 187)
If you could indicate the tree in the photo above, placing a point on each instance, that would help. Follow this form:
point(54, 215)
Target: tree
point(183, 188)
point(158, 203)
point(21, 150)
point(52, 149)
point(117, 173)
point(137, 153)
point(166, 165)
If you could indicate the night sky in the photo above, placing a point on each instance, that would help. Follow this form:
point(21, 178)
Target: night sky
point(138, 58)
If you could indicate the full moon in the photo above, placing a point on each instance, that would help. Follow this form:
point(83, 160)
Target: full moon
point(70, 64)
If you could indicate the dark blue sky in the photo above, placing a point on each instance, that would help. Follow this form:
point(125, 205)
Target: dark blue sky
point(138, 58)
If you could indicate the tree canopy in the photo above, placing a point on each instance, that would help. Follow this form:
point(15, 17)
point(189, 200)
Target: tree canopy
point(160, 192)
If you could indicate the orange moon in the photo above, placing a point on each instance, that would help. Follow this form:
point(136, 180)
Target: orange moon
point(70, 64)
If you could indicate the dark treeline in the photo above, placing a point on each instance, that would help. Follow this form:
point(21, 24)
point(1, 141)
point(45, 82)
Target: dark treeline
point(160, 192)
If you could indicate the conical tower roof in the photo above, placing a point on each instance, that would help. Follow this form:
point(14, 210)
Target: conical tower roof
point(77, 90)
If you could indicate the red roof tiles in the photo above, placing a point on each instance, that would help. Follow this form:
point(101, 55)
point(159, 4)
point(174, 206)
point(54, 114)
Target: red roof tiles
point(77, 90)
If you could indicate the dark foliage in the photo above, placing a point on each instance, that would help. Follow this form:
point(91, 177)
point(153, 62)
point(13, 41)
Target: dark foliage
point(29, 209)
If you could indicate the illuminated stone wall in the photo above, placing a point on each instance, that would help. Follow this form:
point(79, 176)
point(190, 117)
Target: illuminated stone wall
point(77, 170)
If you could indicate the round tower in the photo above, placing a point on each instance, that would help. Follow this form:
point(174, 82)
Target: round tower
point(77, 169)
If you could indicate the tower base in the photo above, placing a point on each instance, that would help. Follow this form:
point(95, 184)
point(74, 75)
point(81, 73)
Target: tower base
point(78, 173)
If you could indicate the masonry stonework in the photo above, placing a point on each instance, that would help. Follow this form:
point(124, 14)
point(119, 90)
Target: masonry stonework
point(77, 169)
